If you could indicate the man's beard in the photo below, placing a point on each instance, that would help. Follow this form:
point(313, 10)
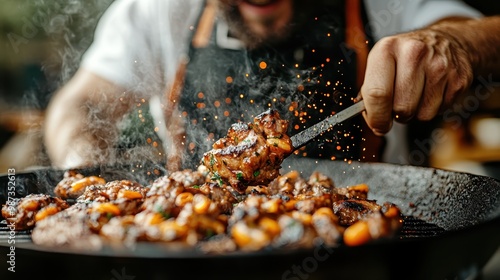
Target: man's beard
point(275, 37)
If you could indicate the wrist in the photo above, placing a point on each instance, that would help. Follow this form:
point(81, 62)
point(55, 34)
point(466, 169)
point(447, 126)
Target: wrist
point(478, 38)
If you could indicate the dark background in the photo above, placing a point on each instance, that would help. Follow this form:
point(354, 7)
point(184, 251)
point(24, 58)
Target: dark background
point(486, 7)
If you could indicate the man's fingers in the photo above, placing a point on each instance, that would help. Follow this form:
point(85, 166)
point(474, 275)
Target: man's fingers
point(378, 87)
point(435, 86)
point(410, 79)
point(431, 102)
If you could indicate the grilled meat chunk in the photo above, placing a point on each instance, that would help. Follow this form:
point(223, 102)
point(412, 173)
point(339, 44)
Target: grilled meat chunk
point(220, 196)
point(293, 185)
point(383, 223)
point(124, 194)
point(112, 191)
point(188, 178)
point(351, 210)
point(251, 153)
point(175, 183)
point(73, 184)
point(352, 192)
point(29, 210)
point(326, 224)
point(67, 228)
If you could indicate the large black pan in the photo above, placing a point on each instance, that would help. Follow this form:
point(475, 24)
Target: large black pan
point(454, 230)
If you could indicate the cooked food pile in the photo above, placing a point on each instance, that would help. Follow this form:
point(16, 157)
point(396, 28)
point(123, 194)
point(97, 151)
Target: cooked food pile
point(199, 208)
point(190, 208)
point(25, 212)
point(250, 154)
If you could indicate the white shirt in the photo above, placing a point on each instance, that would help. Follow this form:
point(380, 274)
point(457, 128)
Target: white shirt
point(138, 43)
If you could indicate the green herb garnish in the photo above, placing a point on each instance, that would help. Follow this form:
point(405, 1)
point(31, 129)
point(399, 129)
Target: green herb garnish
point(160, 211)
point(217, 178)
point(165, 215)
point(212, 160)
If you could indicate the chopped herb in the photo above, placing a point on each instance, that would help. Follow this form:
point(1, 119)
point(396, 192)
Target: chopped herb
point(256, 173)
point(275, 144)
point(209, 233)
point(159, 209)
point(195, 187)
point(165, 215)
point(217, 178)
point(239, 176)
point(212, 160)
point(109, 215)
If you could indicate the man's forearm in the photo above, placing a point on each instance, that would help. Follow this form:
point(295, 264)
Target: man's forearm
point(480, 38)
point(80, 126)
point(64, 135)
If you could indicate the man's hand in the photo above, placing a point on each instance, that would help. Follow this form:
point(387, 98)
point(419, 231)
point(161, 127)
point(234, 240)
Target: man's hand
point(416, 74)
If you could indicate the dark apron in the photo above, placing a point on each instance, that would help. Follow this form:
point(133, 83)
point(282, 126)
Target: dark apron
point(306, 80)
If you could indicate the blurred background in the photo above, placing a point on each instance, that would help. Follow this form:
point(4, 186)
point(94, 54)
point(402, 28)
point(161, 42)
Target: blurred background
point(41, 43)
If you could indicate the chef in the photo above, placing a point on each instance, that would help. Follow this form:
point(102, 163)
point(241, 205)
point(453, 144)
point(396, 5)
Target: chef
point(198, 66)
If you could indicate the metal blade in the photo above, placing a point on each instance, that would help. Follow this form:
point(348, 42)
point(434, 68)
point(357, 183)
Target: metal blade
point(305, 136)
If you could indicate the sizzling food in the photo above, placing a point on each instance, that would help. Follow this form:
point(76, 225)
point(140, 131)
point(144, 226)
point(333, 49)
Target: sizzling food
point(251, 153)
point(197, 208)
point(25, 212)
point(188, 207)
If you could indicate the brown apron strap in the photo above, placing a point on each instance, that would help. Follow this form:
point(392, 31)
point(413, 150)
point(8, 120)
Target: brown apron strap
point(174, 121)
point(371, 145)
point(204, 30)
point(356, 37)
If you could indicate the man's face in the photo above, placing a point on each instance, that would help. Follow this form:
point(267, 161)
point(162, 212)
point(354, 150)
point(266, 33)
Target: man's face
point(258, 22)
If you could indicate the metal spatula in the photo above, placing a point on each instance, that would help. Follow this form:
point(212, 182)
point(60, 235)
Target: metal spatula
point(302, 138)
